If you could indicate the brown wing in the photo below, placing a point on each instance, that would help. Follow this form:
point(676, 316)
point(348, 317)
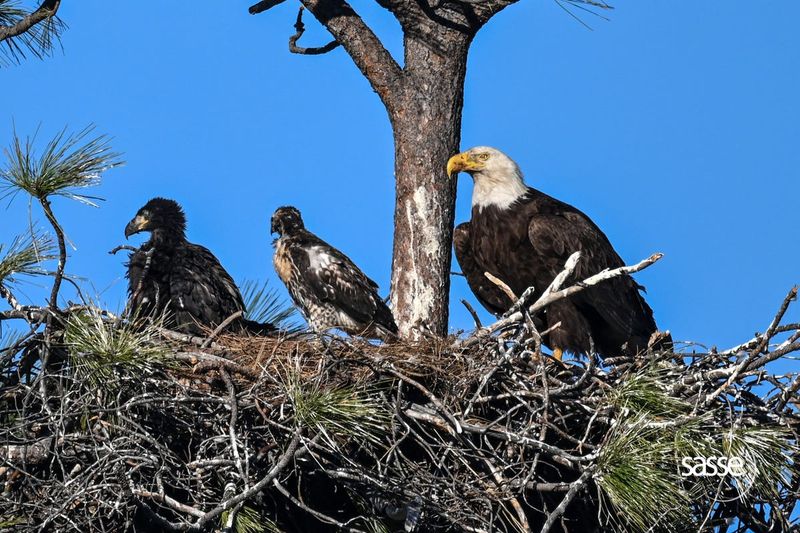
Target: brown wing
point(615, 309)
point(557, 236)
point(202, 293)
point(487, 292)
point(332, 277)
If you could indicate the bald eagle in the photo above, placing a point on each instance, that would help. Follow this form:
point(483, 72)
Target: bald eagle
point(182, 281)
point(523, 237)
point(327, 287)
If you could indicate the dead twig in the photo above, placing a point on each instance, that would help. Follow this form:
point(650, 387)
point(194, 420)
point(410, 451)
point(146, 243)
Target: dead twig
point(471, 310)
point(300, 30)
point(574, 488)
point(551, 297)
point(501, 285)
point(264, 5)
point(219, 329)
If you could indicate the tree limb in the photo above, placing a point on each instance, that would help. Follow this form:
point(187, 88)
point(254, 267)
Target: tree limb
point(341, 526)
point(562, 507)
point(757, 346)
point(62, 253)
point(472, 312)
point(47, 9)
point(349, 30)
point(361, 43)
point(30, 315)
point(264, 5)
point(502, 285)
point(219, 329)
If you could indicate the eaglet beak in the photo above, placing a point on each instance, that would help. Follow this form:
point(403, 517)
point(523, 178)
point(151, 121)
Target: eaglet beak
point(461, 162)
point(135, 226)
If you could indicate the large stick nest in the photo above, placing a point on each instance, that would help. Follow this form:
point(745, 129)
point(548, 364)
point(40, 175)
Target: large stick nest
point(147, 429)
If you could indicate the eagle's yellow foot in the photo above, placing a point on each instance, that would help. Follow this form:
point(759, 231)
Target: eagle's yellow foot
point(558, 353)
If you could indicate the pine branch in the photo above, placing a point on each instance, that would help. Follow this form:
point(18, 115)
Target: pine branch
point(68, 162)
point(34, 33)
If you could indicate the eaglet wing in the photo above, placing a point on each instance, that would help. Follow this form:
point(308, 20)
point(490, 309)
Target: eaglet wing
point(200, 289)
point(334, 278)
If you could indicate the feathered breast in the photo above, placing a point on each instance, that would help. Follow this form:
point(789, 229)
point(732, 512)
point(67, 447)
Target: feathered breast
point(282, 260)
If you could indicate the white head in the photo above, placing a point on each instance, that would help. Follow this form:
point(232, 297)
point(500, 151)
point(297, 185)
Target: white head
point(498, 179)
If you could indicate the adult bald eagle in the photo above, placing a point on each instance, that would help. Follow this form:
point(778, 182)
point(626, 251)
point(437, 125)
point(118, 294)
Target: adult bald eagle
point(182, 281)
point(330, 290)
point(523, 237)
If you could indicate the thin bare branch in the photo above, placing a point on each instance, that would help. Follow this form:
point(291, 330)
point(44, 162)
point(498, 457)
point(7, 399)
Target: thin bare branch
point(472, 312)
point(559, 511)
point(361, 43)
point(551, 297)
point(221, 327)
point(502, 285)
point(300, 29)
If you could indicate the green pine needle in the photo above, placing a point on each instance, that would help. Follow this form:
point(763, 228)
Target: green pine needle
point(265, 306)
point(9, 340)
point(647, 393)
point(766, 453)
point(640, 480)
point(24, 256)
point(9, 522)
point(642, 484)
point(68, 162)
point(100, 349)
point(249, 520)
point(345, 412)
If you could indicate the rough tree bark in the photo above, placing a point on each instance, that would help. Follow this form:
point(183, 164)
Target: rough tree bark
point(424, 99)
point(426, 121)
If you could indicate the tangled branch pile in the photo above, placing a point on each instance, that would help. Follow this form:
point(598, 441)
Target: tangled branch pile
point(111, 425)
point(144, 427)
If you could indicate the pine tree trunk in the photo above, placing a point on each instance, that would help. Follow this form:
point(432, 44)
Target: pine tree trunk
point(426, 120)
point(424, 98)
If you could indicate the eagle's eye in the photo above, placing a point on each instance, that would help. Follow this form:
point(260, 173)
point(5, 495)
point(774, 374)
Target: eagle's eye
point(483, 157)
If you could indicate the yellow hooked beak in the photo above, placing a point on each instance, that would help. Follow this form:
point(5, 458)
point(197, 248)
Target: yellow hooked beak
point(462, 162)
point(139, 223)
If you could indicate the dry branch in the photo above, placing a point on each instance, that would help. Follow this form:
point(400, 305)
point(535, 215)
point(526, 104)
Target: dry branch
point(553, 296)
point(502, 285)
point(300, 29)
point(553, 293)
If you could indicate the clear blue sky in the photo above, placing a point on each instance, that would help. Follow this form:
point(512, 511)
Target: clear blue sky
point(674, 125)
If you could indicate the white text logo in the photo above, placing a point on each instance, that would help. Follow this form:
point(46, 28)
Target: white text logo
point(712, 466)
